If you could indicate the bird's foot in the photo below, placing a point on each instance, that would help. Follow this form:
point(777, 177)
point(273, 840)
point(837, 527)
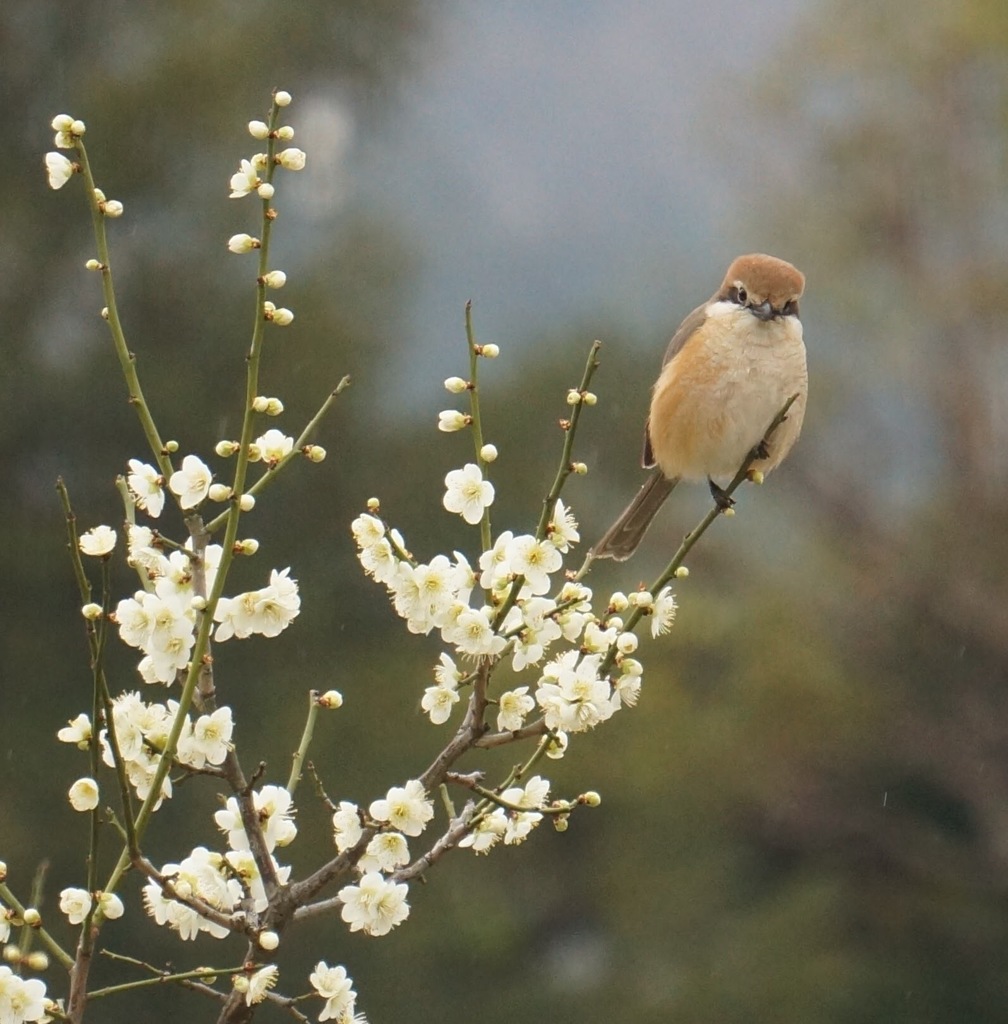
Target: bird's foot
point(722, 498)
point(760, 451)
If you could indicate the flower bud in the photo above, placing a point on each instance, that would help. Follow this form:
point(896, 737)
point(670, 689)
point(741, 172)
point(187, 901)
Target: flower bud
point(451, 419)
point(225, 449)
point(3, 871)
point(285, 132)
point(249, 546)
point(258, 130)
point(590, 799)
point(315, 452)
point(274, 279)
point(12, 953)
point(268, 940)
point(243, 243)
point(682, 572)
point(198, 603)
point(490, 351)
point(171, 447)
point(91, 611)
point(282, 98)
point(219, 492)
point(281, 317)
point(456, 385)
point(331, 699)
point(58, 169)
point(573, 397)
point(292, 159)
point(246, 502)
point(373, 504)
point(618, 602)
point(626, 643)
point(265, 190)
point(93, 264)
point(579, 468)
point(32, 917)
point(561, 822)
point(589, 398)
point(37, 960)
point(112, 208)
point(488, 453)
point(104, 313)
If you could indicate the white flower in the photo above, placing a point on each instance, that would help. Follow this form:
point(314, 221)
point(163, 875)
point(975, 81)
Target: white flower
point(20, 999)
point(267, 611)
point(260, 983)
point(467, 493)
point(626, 690)
point(145, 483)
point(192, 482)
point(99, 540)
point(519, 823)
point(76, 904)
point(346, 823)
point(84, 795)
point(535, 560)
point(59, 169)
point(472, 633)
point(664, 612)
point(446, 672)
point(273, 804)
point(274, 445)
point(405, 808)
point(385, 852)
point(77, 731)
point(496, 564)
point(375, 905)
point(336, 988)
point(438, 702)
point(513, 706)
point(208, 741)
point(246, 179)
point(367, 531)
point(571, 695)
point(110, 905)
point(487, 833)
point(563, 528)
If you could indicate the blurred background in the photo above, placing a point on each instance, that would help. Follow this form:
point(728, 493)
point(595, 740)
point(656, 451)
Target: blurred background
point(806, 817)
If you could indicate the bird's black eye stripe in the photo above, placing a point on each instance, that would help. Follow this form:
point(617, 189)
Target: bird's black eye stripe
point(790, 308)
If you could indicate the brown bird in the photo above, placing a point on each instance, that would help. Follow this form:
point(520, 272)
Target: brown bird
point(729, 370)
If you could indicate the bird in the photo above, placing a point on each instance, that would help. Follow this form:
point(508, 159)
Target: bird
point(729, 369)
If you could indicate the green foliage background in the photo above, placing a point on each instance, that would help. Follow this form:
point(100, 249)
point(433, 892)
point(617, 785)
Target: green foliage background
point(805, 819)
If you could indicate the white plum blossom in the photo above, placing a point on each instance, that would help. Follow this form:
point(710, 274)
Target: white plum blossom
point(406, 808)
point(76, 904)
point(273, 804)
point(496, 564)
point(571, 695)
point(192, 482)
point(267, 611)
point(535, 560)
point(260, 983)
point(375, 905)
point(532, 795)
point(467, 494)
point(664, 612)
point(513, 706)
point(110, 905)
point(97, 541)
point(274, 445)
point(488, 832)
point(346, 822)
point(21, 999)
point(473, 634)
point(563, 528)
point(77, 731)
point(334, 986)
point(246, 179)
point(438, 701)
point(58, 169)
point(145, 482)
point(83, 795)
point(202, 875)
point(207, 741)
point(385, 852)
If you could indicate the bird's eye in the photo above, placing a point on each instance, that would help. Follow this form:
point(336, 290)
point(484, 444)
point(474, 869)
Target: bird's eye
point(743, 295)
point(790, 308)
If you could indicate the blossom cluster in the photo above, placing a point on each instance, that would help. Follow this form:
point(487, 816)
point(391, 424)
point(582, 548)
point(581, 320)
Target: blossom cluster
point(21, 999)
point(575, 690)
point(141, 733)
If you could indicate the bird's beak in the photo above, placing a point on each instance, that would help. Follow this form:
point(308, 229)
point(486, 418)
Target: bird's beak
point(764, 311)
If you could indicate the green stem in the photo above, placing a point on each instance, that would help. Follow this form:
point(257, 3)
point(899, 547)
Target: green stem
point(474, 409)
point(127, 360)
point(44, 937)
point(306, 738)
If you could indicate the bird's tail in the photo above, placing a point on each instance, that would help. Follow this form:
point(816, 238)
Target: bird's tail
point(621, 539)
